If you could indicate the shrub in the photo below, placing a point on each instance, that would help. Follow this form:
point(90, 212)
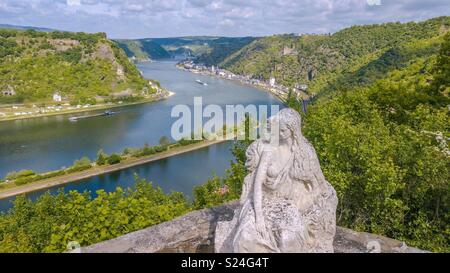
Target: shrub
point(127, 151)
point(114, 159)
point(25, 180)
point(159, 148)
point(52, 174)
point(101, 158)
point(147, 150)
point(81, 165)
point(164, 141)
point(184, 142)
point(19, 174)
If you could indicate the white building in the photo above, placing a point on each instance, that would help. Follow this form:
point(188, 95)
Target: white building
point(9, 91)
point(120, 71)
point(57, 97)
point(303, 87)
point(272, 81)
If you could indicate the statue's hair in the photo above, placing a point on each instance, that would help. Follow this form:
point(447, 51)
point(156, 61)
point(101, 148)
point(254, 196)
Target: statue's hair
point(293, 122)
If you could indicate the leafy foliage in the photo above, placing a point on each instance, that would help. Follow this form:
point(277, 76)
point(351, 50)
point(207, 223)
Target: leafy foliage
point(114, 159)
point(19, 174)
point(384, 149)
point(81, 164)
point(51, 222)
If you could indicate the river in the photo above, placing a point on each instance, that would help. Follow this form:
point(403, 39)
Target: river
point(50, 143)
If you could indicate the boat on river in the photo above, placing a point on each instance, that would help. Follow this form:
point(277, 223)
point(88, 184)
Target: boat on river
point(200, 82)
point(106, 113)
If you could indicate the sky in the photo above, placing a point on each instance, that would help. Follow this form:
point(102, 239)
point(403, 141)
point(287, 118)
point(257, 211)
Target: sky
point(171, 18)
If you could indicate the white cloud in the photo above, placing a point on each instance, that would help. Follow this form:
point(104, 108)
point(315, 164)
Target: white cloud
point(226, 23)
point(135, 7)
point(73, 2)
point(154, 18)
point(240, 13)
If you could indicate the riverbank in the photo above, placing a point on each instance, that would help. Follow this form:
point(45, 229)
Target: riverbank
point(99, 170)
point(85, 109)
point(281, 92)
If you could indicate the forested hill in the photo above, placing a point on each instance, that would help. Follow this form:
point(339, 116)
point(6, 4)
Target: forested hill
point(221, 48)
point(79, 66)
point(319, 60)
point(144, 49)
point(207, 49)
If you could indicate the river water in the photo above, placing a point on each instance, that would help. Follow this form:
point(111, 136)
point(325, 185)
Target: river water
point(50, 143)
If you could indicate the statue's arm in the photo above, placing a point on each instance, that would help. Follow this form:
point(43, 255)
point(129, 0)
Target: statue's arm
point(260, 177)
point(253, 158)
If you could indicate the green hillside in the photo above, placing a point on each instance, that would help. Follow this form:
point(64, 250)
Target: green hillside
point(219, 49)
point(380, 127)
point(384, 147)
point(81, 67)
point(143, 49)
point(319, 60)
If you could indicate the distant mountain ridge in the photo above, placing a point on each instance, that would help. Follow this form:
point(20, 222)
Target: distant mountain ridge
point(18, 27)
point(143, 49)
point(208, 48)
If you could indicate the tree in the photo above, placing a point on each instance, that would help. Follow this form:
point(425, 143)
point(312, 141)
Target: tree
point(441, 81)
point(81, 164)
point(163, 141)
point(114, 159)
point(101, 158)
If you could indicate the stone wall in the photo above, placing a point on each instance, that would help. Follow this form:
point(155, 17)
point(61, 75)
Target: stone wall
point(194, 232)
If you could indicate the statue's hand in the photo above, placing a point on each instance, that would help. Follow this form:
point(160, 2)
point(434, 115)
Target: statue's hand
point(270, 183)
point(260, 225)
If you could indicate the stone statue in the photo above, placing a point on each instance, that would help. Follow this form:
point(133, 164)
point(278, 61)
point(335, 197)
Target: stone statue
point(286, 204)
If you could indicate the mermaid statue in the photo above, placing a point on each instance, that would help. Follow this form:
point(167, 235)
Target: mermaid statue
point(286, 203)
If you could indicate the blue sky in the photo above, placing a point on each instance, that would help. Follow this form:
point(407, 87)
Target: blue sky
point(168, 18)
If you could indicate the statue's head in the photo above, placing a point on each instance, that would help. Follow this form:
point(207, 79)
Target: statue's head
point(288, 123)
